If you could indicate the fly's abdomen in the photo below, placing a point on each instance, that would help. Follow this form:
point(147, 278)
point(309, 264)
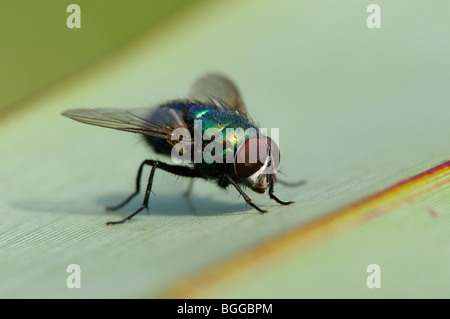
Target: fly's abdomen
point(169, 116)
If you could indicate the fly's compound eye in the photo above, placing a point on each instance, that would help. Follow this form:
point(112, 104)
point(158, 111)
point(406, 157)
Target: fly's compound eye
point(251, 156)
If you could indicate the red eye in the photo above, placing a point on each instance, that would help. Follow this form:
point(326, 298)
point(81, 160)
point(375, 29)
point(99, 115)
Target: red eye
point(251, 156)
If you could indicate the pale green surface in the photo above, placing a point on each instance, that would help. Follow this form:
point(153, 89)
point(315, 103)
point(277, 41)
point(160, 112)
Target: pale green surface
point(357, 109)
point(410, 244)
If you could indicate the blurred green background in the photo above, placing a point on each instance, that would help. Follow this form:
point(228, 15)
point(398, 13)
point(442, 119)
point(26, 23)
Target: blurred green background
point(358, 110)
point(39, 50)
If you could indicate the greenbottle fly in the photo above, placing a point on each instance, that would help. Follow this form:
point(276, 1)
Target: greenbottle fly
point(215, 103)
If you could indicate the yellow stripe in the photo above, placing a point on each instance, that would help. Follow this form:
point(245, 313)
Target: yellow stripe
point(299, 238)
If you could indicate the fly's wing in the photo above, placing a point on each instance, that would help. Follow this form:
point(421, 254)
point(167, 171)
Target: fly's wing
point(218, 90)
point(129, 120)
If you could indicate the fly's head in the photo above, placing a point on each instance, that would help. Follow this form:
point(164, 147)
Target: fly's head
point(256, 162)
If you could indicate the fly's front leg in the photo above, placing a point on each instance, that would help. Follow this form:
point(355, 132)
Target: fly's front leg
point(247, 199)
point(272, 196)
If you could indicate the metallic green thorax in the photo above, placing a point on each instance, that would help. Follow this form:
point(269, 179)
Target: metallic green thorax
point(203, 119)
point(225, 127)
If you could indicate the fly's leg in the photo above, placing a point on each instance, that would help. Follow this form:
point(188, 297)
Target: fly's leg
point(188, 191)
point(138, 188)
point(177, 170)
point(144, 204)
point(292, 184)
point(247, 199)
point(187, 195)
point(272, 196)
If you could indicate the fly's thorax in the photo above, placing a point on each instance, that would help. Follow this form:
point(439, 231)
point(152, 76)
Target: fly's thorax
point(225, 142)
point(216, 152)
point(217, 134)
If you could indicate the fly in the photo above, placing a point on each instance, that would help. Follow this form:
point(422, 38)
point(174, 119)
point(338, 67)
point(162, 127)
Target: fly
point(241, 154)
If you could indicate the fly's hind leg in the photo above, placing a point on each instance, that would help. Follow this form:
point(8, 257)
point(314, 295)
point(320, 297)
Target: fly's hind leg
point(177, 170)
point(138, 187)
